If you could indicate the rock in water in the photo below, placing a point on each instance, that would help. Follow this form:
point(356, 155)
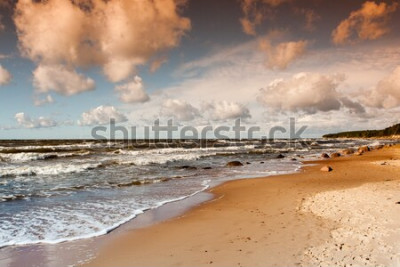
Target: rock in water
point(280, 156)
point(347, 151)
point(363, 149)
point(335, 155)
point(186, 167)
point(379, 146)
point(234, 163)
point(326, 168)
point(325, 156)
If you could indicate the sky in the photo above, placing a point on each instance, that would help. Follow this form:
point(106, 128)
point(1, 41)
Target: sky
point(67, 66)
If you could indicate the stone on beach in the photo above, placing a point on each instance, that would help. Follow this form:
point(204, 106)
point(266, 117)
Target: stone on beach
point(280, 156)
point(379, 147)
point(347, 151)
point(234, 163)
point(326, 168)
point(363, 149)
point(325, 156)
point(335, 155)
point(186, 167)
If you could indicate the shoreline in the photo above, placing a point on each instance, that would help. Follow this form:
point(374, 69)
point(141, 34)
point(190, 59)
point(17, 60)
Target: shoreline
point(73, 253)
point(78, 251)
point(230, 229)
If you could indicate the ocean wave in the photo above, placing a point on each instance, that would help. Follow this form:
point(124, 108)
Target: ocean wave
point(51, 226)
point(68, 189)
point(32, 156)
point(137, 156)
point(53, 169)
point(165, 155)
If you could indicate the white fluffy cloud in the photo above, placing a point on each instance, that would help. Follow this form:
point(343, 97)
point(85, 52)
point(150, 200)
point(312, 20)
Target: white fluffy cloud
point(60, 79)
point(283, 54)
point(115, 35)
point(132, 92)
point(37, 101)
point(26, 121)
point(368, 23)
point(306, 92)
point(386, 94)
point(101, 115)
point(224, 110)
point(179, 109)
point(5, 76)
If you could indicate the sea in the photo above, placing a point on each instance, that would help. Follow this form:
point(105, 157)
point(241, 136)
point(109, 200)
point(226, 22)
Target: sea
point(53, 191)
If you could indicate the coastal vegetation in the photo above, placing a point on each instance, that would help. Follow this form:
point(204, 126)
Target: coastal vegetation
point(387, 132)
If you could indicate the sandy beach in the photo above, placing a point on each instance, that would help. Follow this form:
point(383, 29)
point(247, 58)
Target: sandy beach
point(311, 218)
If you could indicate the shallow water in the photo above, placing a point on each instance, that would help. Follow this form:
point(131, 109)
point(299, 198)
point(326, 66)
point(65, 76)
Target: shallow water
point(55, 191)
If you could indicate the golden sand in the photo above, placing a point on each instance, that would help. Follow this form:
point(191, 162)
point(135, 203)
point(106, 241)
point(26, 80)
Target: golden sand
point(296, 219)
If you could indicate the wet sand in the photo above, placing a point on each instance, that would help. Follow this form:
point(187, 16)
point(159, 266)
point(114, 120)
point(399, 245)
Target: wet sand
point(295, 219)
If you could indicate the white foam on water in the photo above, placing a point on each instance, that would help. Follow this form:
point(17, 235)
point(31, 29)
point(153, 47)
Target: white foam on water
point(54, 147)
point(53, 226)
point(375, 143)
point(164, 155)
point(32, 156)
point(51, 169)
point(66, 221)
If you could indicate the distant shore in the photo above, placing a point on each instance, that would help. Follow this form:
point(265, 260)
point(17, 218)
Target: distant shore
point(392, 137)
point(344, 216)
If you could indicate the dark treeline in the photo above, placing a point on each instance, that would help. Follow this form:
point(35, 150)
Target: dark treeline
point(393, 130)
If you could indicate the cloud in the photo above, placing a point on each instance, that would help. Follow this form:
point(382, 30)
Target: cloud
point(353, 106)
point(42, 101)
point(386, 94)
point(283, 54)
point(25, 121)
point(60, 79)
point(255, 12)
point(248, 26)
point(132, 92)
point(304, 92)
point(310, 17)
point(224, 110)
point(2, 26)
point(368, 23)
point(6, 3)
point(118, 36)
point(101, 115)
point(156, 64)
point(5, 76)
point(236, 74)
point(179, 109)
